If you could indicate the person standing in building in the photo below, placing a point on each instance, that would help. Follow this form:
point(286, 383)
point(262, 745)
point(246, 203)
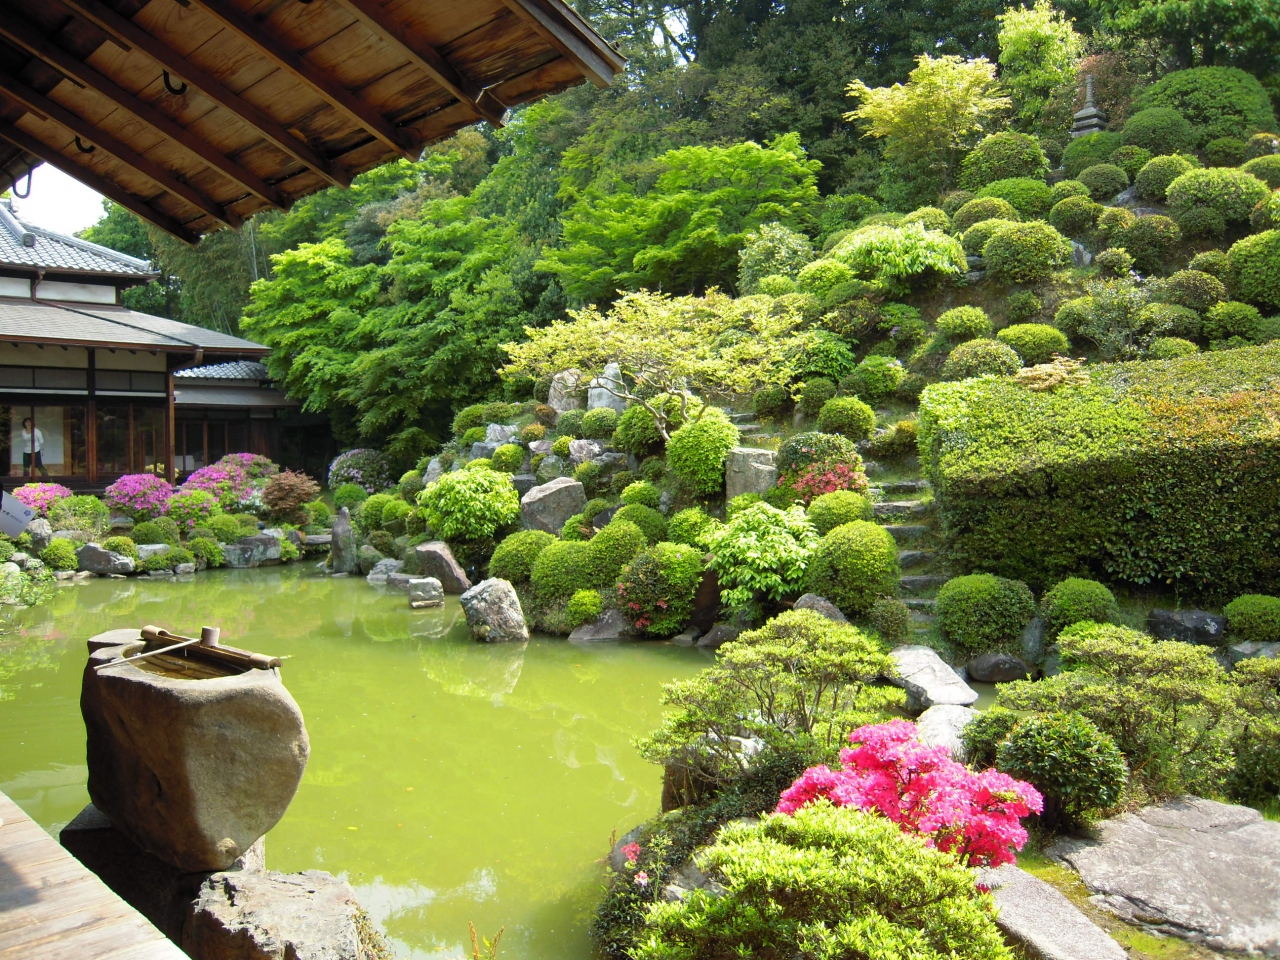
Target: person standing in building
point(32, 443)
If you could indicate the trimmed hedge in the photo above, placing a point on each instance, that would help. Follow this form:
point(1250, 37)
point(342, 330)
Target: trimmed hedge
point(853, 565)
point(977, 358)
point(983, 208)
point(1034, 342)
point(1149, 472)
point(514, 557)
point(1104, 180)
point(1162, 130)
point(1218, 101)
point(1233, 193)
point(1003, 156)
point(981, 613)
point(1154, 178)
point(1025, 253)
point(1092, 148)
point(1031, 198)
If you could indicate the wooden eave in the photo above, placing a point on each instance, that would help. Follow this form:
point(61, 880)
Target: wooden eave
point(195, 114)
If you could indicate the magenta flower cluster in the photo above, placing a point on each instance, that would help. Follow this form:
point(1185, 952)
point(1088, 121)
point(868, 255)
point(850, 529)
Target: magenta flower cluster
point(140, 496)
point(976, 816)
point(41, 496)
point(252, 465)
point(362, 466)
point(233, 481)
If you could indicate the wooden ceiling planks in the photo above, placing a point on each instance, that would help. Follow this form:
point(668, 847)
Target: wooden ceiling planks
point(202, 112)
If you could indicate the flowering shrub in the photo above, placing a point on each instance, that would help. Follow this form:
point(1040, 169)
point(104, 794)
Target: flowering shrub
point(80, 512)
point(41, 496)
point(470, 504)
point(252, 465)
point(228, 484)
point(976, 816)
point(191, 508)
point(362, 466)
point(656, 590)
point(812, 464)
point(761, 550)
point(140, 496)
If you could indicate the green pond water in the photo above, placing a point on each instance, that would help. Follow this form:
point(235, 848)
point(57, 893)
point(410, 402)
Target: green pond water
point(449, 781)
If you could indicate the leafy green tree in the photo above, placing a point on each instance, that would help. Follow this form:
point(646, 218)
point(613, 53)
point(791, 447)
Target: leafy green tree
point(1038, 53)
point(126, 232)
point(1201, 32)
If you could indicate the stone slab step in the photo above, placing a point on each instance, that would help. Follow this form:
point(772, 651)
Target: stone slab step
point(905, 486)
point(928, 680)
point(914, 559)
point(914, 586)
point(742, 417)
point(924, 605)
point(915, 508)
point(1037, 916)
point(907, 532)
point(747, 429)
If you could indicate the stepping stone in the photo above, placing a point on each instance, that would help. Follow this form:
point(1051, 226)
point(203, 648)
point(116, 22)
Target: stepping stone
point(1197, 869)
point(910, 559)
point(906, 532)
point(943, 726)
point(906, 486)
point(1037, 916)
point(922, 584)
point(917, 603)
point(928, 680)
point(889, 508)
point(742, 417)
point(748, 429)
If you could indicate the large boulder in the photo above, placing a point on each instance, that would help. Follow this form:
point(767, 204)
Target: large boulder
point(498, 434)
point(811, 601)
point(273, 916)
point(148, 550)
point(41, 533)
point(943, 726)
point(609, 627)
point(493, 612)
point(524, 482)
point(580, 451)
point(101, 562)
point(997, 668)
point(928, 680)
point(1037, 916)
point(483, 450)
point(1193, 868)
point(343, 552)
point(382, 570)
point(549, 505)
point(435, 559)
point(749, 470)
point(566, 391)
point(194, 771)
point(425, 592)
point(435, 470)
point(1188, 626)
point(550, 468)
point(603, 390)
point(256, 551)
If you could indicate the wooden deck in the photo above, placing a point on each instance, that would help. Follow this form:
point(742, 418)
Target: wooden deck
point(53, 908)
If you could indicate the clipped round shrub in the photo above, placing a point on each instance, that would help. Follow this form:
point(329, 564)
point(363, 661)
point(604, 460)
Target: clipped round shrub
point(1076, 600)
point(768, 403)
point(1217, 101)
point(964, 323)
point(1200, 222)
point(1068, 188)
point(1151, 241)
point(1114, 262)
point(533, 433)
point(1003, 156)
point(976, 237)
point(982, 208)
point(814, 394)
point(348, 495)
point(1254, 618)
point(984, 733)
point(697, 451)
point(383, 542)
point(153, 531)
point(1152, 181)
point(1233, 193)
point(979, 358)
point(1192, 289)
point(583, 607)
point(1255, 268)
point(121, 545)
point(981, 613)
point(890, 618)
point(1266, 169)
point(1025, 253)
point(1170, 348)
point(1213, 262)
point(656, 589)
point(394, 517)
point(1104, 180)
point(1034, 342)
point(1074, 216)
point(649, 521)
point(1092, 148)
point(508, 458)
point(369, 516)
point(1131, 160)
point(847, 416)
point(1162, 130)
point(208, 551)
point(776, 285)
point(616, 545)
point(561, 569)
point(156, 562)
point(468, 418)
point(560, 447)
point(831, 510)
point(1031, 198)
point(1226, 152)
point(931, 218)
point(852, 565)
point(1076, 767)
point(1169, 320)
point(569, 423)
point(874, 380)
point(1113, 221)
point(600, 423)
point(643, 493)
point(410, 484)
point(691, 527)
point(954, 200)
point(470, 504)
point(60, 555)
point(822, 276)
point(825, 355)
point(224, 526)
point(1228, 319)
point(588, 474)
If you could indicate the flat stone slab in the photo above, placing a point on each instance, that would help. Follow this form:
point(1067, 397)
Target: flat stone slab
point(943, 726)
point(1192, 868)
point(928, 680)
point(1037, 916)
point(610, 627)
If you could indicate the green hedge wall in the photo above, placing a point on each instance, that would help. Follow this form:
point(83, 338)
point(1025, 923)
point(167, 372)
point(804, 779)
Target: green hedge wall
point(1147, 472)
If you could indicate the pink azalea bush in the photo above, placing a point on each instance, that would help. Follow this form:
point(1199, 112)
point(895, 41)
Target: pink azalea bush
point(976, 816)
point(41, 496)
point(140, 496)
point(252, 465)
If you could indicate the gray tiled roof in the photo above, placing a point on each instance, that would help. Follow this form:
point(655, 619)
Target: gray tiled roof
point(24, 245)
point(235, 370)
point(95, 324)
point(230, 396)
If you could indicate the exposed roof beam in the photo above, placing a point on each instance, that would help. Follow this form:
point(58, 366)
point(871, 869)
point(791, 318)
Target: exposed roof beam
point(37, 103)
point(551, 24)
point(427, 59)
point(127, 31)
point(27, 37)
point(258, 35)
point(20, 138)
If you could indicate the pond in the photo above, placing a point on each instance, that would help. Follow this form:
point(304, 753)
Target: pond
point(449, 781)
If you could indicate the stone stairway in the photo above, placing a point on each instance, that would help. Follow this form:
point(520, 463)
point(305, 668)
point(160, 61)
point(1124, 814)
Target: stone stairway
point(904, 507)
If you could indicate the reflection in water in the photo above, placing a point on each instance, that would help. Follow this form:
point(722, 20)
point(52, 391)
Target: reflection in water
point(449, 780)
